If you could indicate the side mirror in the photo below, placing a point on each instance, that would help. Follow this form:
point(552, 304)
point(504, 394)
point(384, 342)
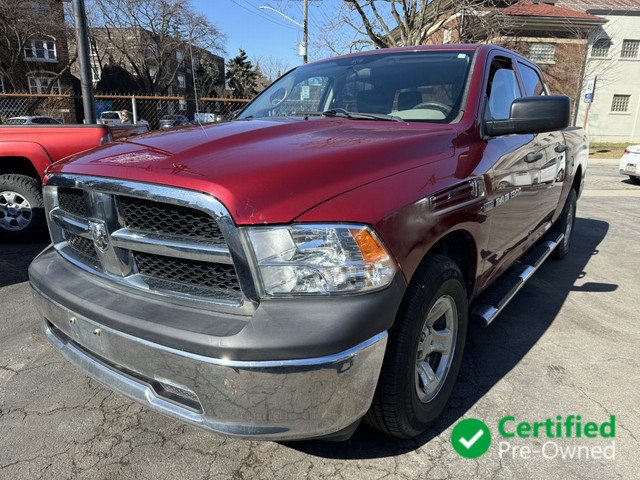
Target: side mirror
point(544, 113)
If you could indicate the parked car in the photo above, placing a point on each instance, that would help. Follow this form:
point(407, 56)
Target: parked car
point(315, 263)
point(630, 163)
point(33, 120)
point(169, 121)
point(111, 117)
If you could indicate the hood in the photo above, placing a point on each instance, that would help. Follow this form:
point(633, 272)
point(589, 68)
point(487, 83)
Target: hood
point(269, 170)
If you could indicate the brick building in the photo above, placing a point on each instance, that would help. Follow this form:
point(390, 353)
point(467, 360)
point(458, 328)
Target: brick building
point(34, 56)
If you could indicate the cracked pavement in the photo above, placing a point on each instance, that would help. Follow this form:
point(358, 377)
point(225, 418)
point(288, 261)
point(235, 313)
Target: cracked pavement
point(566, 345)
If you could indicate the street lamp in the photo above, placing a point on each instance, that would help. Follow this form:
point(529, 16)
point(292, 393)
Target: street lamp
point(305, 27)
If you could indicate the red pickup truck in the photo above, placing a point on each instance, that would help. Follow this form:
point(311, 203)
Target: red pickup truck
point(315, 261)
point(25, 152)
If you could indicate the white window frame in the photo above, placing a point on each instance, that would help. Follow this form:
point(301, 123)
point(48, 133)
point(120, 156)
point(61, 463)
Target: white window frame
point(196, 62)
point(38, 83)
point(48, 56)
point(182, 80)
point(182, 104)
point(622, 100)
point(601, 52)
point(630, 46)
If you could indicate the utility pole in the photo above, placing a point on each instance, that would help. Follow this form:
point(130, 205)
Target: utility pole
point(305, 27)
point(82, 34)
point(305, 30)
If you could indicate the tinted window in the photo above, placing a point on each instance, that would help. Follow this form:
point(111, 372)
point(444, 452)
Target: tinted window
point(502, 90)
point(109, 115)
point(531, 80)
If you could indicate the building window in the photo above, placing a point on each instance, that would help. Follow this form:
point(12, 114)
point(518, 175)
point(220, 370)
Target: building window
point(542, 52)
point(182, 82)
point(40, 85)
point(179, 55)
point(196, 62)
point(620, 103)
point(40, 50)
point(600, 48)
point(630, 49)
point(153, 71)
point(1, 84)
point(182, 103)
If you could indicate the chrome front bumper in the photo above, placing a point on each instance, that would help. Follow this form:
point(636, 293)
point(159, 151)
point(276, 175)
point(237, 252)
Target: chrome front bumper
point(270, 400)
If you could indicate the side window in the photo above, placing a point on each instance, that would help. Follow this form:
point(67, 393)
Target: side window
point(502, 90)
point(531, 80)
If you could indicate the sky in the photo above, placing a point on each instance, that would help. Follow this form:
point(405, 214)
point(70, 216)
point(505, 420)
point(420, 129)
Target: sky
point(264, 33)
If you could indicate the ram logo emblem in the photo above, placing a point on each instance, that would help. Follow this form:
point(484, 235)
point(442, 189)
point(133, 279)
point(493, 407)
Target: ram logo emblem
point(99, 235)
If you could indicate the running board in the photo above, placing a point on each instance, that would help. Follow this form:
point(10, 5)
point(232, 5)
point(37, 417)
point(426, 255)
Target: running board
point(498, 295)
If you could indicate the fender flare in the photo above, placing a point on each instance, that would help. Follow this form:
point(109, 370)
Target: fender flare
point(32, 151)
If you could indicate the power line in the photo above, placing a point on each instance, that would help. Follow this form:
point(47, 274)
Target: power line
point(264, 17)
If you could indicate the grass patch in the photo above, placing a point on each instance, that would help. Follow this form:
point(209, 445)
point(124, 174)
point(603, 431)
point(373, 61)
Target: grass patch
point(606, 149)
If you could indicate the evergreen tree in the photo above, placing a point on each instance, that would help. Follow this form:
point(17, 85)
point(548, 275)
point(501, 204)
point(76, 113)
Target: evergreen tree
point(242, 76)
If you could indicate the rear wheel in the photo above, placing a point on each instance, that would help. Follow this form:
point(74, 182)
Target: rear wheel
point(424, 351)
point(564, 224)
point(22, 217)
point(635, 179)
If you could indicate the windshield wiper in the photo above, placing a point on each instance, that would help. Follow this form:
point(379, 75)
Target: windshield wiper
point(340, 112)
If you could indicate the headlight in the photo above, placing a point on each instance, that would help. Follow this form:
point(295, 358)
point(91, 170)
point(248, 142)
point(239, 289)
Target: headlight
point(320, 259)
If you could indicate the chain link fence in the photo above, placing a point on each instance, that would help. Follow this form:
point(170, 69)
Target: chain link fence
point(68, 108)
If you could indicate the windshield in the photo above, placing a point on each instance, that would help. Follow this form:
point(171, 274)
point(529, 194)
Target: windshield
point(418, 86)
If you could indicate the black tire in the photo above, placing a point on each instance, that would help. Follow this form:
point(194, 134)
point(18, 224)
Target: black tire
point(635, 179)
point(397, 408)
point(22, 217)
point(565, 224)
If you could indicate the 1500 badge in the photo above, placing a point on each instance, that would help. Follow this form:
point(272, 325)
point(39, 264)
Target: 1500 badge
point(502, 199)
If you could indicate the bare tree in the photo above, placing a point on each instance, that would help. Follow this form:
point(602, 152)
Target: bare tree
point(361, 24)
point(273, 67)
point(151, 38)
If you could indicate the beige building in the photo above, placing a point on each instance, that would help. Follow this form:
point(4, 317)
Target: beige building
point(614, 59)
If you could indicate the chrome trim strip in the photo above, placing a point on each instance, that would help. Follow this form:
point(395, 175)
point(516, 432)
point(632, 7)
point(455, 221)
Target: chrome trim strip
point(70, 222)
point(169, 245)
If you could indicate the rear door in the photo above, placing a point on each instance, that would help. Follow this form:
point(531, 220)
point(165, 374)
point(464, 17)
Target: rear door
point(552, 147)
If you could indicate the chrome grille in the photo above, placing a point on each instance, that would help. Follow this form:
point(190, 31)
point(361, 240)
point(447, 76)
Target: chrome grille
point(169, 219)
point(160, 240)
point(72, 200)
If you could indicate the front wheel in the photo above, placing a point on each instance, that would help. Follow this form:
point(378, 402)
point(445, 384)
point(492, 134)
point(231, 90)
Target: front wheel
point(424, 351)
point(22, 217)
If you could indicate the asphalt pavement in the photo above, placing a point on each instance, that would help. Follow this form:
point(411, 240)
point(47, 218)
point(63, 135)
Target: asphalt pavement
point(566, 345)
